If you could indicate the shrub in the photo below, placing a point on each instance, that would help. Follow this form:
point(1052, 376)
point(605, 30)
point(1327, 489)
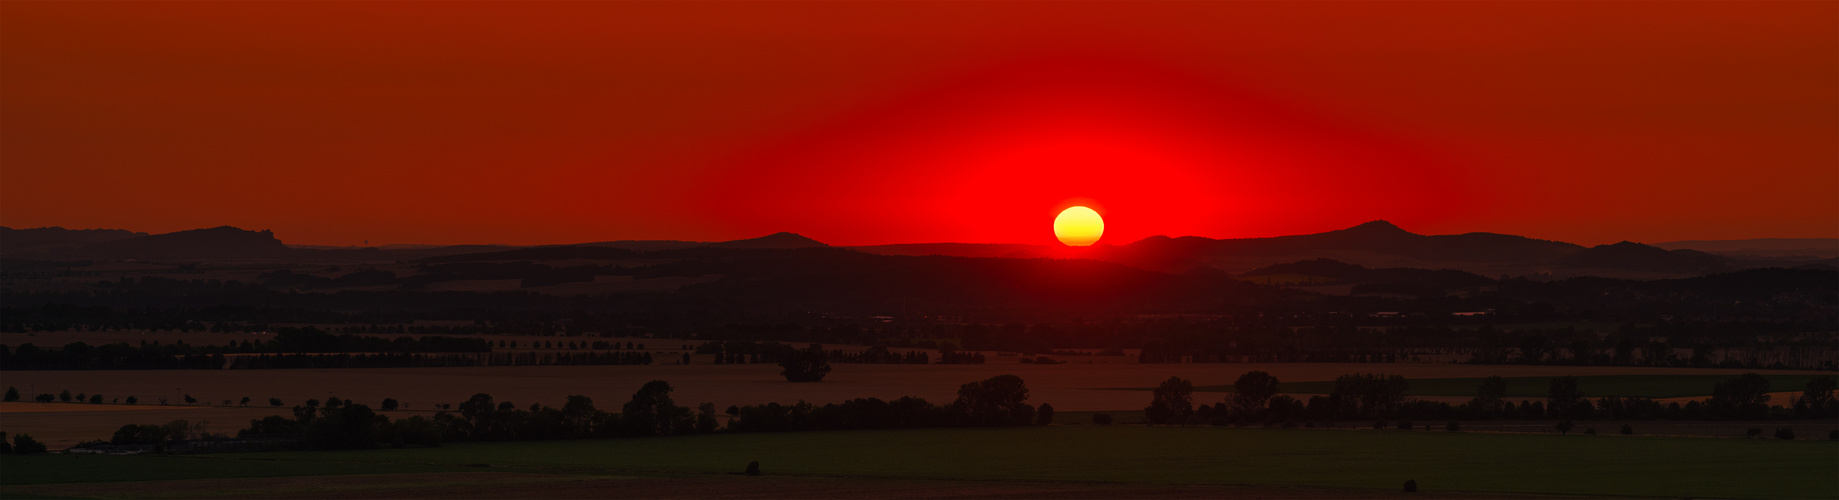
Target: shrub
point(132, 400)
point(12, 394)
point(1784, 433)
point(95, 399)
point(1101, 418)
point(23, 444)
point(45, 398)
point(1045, 414)
point(274, 401)
point(753, 468)
point(1411, 486)
point(1565, 426)
point(390, 404)
point(1627, 429)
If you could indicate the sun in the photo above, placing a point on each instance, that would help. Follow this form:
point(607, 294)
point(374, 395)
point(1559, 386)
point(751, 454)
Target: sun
point(1079, 226)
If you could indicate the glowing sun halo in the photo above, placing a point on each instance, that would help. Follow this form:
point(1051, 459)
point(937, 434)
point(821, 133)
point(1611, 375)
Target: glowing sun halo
point(1079, 226)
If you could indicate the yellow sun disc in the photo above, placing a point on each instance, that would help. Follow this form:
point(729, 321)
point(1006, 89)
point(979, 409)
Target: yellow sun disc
point(1079, 226)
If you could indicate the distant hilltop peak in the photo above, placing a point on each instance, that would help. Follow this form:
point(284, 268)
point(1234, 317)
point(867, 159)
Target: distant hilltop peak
point(776, 240)
point(1378, 226)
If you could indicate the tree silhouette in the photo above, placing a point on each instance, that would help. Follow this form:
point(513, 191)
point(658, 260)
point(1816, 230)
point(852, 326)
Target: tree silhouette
point(23, 444)
point(1171, 403)
point(1816, 399)
point(652, 413)
point(808, 365)
point(998, 400)
point(1743, 397)
point(1488, 395)
point(1252, 390)
point(12, 394)
point(1563, 396)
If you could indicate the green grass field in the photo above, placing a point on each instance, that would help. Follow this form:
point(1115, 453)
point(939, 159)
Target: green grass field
point(1641, 386)
point(1476, 462)
point(61, 469)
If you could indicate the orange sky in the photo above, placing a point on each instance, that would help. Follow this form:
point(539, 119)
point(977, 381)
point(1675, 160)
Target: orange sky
point(887, 122)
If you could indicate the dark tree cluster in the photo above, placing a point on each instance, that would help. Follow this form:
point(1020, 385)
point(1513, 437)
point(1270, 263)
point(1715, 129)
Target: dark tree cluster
point(808, 365)
point(998, 401)
point(23, 444)
point(747, 351)
point(1382, 397)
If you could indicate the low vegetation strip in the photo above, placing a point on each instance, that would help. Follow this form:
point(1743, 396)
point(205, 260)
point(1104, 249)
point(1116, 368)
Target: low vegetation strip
point(20, 470)
point(1382, 460)
point(1627, 386)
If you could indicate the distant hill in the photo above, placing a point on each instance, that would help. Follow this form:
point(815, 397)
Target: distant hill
point(1639, 257)
point(1825, 248)
point(539, 254)
point(1376, 245)
point(55, 240)
point(222, 242)
point(231, 243)
point(1336, 272)
point(955, 249)
point(780, 240)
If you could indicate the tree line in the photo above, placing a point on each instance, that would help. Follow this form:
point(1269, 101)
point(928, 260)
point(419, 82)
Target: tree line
point(1255, 399)
point(338, 424)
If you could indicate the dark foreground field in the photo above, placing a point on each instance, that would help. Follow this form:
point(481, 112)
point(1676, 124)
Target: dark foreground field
point(1066, 461)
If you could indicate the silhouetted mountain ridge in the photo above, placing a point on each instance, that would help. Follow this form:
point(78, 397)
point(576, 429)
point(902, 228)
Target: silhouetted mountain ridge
point(1375, 245)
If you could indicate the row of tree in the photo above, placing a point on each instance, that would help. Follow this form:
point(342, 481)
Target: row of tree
point(1255, 398)
point(998, 401)
point(747, 351)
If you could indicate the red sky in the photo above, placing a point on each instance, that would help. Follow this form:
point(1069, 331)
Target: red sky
point(890, 122)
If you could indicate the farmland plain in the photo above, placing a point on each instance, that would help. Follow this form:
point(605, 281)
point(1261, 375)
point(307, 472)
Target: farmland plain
point(1338, 462)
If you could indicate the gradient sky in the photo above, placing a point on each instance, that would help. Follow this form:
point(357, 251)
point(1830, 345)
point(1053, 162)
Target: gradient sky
point(890, 122)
